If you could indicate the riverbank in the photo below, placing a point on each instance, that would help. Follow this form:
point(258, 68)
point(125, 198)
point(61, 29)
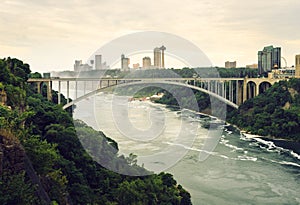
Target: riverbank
point(294, 146)
point(279, 142)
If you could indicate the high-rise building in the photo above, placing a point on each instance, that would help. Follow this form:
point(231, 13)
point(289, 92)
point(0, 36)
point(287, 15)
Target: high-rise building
point(297, 66)
point(98, 62)
point(78, 66)
point(92, 62)
point(124, 62)
point(269, 58)
point(229, 64)
point(146, 62)
point(157, 57)
point(162, 48)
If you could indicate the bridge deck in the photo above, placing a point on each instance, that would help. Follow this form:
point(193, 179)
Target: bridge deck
point(131, 79)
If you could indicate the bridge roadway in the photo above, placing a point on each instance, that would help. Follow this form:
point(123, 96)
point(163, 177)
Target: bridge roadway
point(31, 80)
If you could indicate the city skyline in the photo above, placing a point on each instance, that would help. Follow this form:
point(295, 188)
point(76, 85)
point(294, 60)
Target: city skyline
point(268, 59)
point(50, 36)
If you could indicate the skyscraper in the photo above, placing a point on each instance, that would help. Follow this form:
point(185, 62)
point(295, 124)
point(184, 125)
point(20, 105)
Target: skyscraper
point(269, 58)
point(98, 62)
point(297, 66)
point(157, 57)
point(124, 62)
point(146, 62)
point(77, 65)
point(163, 48)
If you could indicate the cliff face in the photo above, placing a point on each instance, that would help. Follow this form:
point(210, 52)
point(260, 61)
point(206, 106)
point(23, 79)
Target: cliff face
point(12, 155)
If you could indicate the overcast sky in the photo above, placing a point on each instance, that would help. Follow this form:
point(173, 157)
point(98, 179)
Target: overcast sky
point(50, 35)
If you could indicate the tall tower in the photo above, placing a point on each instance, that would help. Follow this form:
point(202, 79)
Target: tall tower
point(157, 57)
point(163, 48)
point(276, 58)
point(124, 62)
point(146, 62)
point(77, 65)
point(269, 58)
point(98, 62)
point(297, 66)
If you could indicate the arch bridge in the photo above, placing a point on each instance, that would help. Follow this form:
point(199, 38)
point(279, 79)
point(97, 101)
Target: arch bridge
point(232, 91)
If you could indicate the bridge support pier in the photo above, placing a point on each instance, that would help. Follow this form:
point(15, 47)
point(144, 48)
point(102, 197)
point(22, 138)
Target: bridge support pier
point(230, 91)
point(245, 90)
point(256, 91)
point(49, 90)
point(249, 93)
point(233, 91)
point(84, 87)
point(76, 88)
point(222, 89)
point(59, 93)
point(68, 91)
point(236, 91)
point(225, 90)
point(38, 84)
point(240, 93)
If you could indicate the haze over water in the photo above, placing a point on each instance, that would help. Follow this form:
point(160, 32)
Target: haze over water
point(238, 171)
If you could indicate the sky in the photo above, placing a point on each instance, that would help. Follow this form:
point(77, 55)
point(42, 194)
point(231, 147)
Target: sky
point(50, 35)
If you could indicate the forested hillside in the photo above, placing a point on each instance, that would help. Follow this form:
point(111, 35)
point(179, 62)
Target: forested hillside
point(273, 113)
point(42, 160)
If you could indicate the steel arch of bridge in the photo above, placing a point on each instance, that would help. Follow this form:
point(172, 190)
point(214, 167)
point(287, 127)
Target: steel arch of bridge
point(99, 90)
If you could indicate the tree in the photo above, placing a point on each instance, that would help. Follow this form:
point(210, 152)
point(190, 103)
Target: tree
point(14, 189)
point(42, 154)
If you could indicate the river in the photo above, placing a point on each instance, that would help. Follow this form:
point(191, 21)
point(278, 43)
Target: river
point(239, 170)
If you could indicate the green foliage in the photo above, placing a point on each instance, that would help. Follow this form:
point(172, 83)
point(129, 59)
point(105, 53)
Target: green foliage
point(16, 190)
point(14, 72)
point(35, 75)
point(46, 114)
point(13, 77)
point(15, 96)
point(192, 72)
point(187, 101)
point(273, 113)
point(238, 72)
point(88, 182)
point(171, 94)
point(57, 185)
point(66, 169)
point(162, 73)
point(154, 189)
point(42, 154)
